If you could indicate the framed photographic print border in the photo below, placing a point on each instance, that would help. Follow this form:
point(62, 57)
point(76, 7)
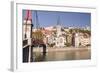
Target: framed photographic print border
point(16, 51)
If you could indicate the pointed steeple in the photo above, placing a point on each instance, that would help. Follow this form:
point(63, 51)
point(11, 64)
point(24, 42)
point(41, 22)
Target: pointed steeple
point(37, 20)
point(58, 27)
point(58, 21)
point(28, 23)
point(28, 17)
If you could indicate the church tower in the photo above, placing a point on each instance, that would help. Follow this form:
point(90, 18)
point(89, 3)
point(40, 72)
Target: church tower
point(27, 36)
point(27, 26)
point(60, 39)
point(58, 27)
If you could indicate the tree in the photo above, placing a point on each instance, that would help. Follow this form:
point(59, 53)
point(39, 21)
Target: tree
point(37, 38)
point(38, 35)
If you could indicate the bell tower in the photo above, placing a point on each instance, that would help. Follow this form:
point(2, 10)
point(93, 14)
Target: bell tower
point(27, 36)
point(27, 25)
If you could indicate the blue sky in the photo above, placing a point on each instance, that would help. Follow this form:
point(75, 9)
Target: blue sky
point(66, 19)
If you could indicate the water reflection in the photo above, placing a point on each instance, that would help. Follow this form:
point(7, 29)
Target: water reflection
point(62, 55)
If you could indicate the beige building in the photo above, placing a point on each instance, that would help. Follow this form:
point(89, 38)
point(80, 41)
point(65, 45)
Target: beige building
point(53, 36)
point(82, 39)
point(69, 39)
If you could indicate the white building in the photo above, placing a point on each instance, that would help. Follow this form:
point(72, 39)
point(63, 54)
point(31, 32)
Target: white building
point(77, 40)
point(82, 39)
point(60, 39)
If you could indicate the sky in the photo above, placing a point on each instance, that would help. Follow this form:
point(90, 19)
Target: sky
point(66, 19)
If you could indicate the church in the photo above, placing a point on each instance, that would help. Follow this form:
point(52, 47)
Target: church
point(58, 38)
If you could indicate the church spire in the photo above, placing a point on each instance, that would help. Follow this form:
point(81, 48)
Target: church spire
point(28, 15)
point(58, 21)
point(37, 20)
point(28, 22)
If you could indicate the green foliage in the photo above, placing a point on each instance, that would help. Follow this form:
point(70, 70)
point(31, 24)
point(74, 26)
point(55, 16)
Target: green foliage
point(80, 30)
point(51, 45)
point(85, 31)
point(37, 35)
point(68, 44)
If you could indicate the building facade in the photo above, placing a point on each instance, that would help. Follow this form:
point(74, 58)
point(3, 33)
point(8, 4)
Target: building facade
point(82, 39)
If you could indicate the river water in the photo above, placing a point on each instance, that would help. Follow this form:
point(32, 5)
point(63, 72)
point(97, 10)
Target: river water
point(62, 55)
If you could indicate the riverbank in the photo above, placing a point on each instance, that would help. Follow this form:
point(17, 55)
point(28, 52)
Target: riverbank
point(52, 49)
